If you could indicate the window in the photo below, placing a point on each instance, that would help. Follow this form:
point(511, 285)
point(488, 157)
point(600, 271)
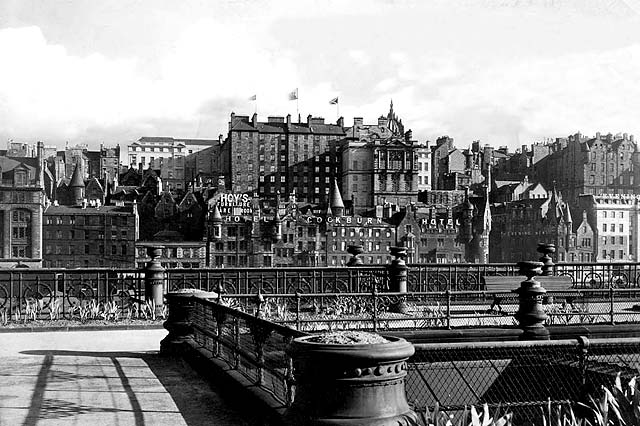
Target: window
point(621, 227)
point(621, 254)
point(604, 227)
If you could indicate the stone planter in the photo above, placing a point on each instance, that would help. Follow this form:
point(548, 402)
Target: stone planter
point(350, 384)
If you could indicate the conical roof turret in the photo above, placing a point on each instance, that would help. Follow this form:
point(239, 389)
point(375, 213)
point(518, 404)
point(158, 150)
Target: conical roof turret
point(217, 217)
point(76, 178)
point(337, 205)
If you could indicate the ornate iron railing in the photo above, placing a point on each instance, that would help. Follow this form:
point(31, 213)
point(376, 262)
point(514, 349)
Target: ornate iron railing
point(250, 345)
point(68, 288)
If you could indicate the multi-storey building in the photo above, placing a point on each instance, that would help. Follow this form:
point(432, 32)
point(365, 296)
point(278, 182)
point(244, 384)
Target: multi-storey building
point(518, 227)
point(90, 236)
point(615, 220)
point(22, 200)
point(282, 156)
point(175, 254)
point(381, 164)
point(166, 154)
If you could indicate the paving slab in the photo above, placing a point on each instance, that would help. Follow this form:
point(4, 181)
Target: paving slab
point(111, 377)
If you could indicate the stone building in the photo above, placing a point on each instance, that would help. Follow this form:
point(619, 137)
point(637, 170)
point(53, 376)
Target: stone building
point(22, 201)
point(90, 236)
point(381, 165)
point(615, 220)
point(167, 155)
point(518, 227)
point(283, 156)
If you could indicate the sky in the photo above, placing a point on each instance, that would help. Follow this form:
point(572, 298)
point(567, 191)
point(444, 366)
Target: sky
point(505, 72)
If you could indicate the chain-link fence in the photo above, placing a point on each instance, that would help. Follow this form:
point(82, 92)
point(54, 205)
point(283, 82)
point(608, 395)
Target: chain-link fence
point(523, 376)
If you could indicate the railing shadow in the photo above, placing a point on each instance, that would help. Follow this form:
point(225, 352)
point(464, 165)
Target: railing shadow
point(190, 393)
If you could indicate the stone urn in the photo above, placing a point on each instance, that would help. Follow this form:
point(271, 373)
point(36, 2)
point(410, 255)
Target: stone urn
point(350, 378)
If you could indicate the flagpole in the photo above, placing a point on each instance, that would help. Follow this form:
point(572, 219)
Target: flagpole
point(297, 105)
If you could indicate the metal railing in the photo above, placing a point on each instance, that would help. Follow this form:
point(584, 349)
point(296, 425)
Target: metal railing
point(252, 346)
point(444, 283)
point(382, 311)
point(523, 376)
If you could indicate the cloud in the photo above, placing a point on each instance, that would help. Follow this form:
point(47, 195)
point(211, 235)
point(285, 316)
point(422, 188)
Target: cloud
point(474, 70)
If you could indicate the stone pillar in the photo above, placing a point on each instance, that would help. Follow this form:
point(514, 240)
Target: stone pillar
point(547, 262)
point(178, 322)
point(530, 314)
point(350, 384)
point(354, 251)
point(398, 271)
point(154, 278)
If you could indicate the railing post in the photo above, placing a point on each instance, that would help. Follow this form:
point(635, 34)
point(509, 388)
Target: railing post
point(612, 319)
point(531, 315)
point(178, 323)
point(298, 303)
point(448, 309)
point(154, 277)
point(374, 314)
point(547, 262)
point(398, 271)
point(236, 343)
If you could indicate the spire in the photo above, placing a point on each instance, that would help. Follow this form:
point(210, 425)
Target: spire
point(217, 217)
point(567, 214)
point(337, 205)
point(76, 178)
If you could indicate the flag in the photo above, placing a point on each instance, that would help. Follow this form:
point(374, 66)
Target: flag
point(293, 95)
point(334, 101)
point(253, 98)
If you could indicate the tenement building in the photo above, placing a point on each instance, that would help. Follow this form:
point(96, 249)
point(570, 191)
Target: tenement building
point(382, 164)
point(518, 227)
point(615, 220)
point(22, 200)
point(604, 164)
point(167, 155)
point(283, 156)
point(90, 236)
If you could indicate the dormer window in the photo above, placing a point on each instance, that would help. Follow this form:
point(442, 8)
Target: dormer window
point(20, 178)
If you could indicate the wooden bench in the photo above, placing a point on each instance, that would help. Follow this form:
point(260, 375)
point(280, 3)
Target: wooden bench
point(500, 285)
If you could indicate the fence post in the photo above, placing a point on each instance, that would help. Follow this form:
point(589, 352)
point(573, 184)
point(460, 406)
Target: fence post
point(154, 278)
point(398, 271)
point(611, 307)
point(448, 309)
point(547, 262)
point(583, 343)
point(530, 314)
point(298, 303)
point(374, 294)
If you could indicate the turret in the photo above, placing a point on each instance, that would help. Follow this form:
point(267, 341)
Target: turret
point(77, 186)
point(217, 223)
point(336, 205)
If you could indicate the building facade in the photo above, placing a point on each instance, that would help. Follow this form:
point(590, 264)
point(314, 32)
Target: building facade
point(22, 201)
point(282, 156)
point(90, 236)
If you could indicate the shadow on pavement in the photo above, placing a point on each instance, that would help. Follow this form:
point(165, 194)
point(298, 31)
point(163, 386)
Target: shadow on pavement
point(199, 402)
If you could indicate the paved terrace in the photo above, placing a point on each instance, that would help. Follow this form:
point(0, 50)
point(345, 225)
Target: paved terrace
point(103, 378)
